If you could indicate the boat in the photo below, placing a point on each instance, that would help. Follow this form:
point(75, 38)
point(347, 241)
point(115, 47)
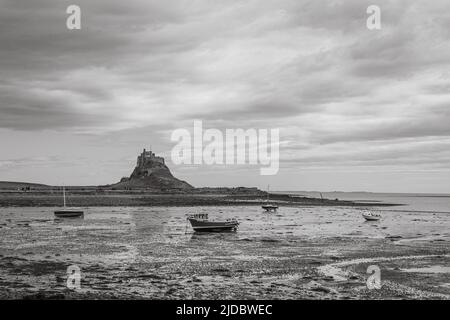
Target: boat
point(201, 223)
point(66, 212)
point(371, 216)
point(268, 206)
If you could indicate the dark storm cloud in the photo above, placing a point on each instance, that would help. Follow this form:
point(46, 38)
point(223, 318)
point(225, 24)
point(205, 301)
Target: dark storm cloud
point(311, 68)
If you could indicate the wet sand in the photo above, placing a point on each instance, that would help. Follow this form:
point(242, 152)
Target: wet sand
point(151, 253)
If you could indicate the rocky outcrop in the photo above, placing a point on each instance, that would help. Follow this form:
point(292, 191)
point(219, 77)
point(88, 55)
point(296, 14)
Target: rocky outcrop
point(151, 172)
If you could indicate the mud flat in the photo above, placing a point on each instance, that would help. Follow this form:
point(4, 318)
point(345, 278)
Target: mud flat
point(150, 253)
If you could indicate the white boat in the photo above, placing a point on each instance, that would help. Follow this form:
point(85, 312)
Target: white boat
point(201, 223)
point(371, 216)
point(268, 206)
point(66, 212)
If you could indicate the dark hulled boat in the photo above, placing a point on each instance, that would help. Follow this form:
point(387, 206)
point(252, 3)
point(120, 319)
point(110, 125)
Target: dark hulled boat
point(201, 223)
point(68, 212)
point(268, 206)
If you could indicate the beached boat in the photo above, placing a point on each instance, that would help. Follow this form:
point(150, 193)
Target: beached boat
point(268, 206)
point(201, 223)
point(66, 212)
point(371, 216)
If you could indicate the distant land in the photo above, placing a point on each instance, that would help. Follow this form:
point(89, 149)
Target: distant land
point(19, 185)
point(150, 173)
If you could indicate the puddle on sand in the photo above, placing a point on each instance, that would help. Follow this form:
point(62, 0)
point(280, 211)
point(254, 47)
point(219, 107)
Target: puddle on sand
point(431, 269)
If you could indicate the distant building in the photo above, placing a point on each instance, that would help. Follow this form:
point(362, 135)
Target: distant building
point(148, 156)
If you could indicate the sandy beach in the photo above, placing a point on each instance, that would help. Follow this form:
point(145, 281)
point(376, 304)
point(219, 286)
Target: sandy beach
point(308, 252)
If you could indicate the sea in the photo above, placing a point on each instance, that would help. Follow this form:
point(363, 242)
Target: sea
point(418, 202)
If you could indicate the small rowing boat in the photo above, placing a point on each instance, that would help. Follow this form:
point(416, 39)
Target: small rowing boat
point(371, 216)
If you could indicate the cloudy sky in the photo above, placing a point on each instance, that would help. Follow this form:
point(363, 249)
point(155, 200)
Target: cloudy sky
point(357, 109)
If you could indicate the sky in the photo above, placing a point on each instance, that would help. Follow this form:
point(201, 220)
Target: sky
point(357, 109)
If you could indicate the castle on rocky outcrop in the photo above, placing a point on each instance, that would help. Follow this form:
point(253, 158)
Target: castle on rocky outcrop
point(151, 172)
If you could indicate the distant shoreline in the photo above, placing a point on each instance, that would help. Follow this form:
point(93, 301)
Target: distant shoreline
point(402, 194)
point(121, 198)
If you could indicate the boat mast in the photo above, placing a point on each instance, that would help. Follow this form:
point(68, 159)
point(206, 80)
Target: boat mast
point(64, 196)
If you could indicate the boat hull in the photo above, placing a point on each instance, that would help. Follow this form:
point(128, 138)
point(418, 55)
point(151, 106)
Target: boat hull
point(269, 208)
point(371, 218)
point(69, 213)
point(213, 226)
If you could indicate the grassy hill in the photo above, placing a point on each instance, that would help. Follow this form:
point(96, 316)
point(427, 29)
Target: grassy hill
point(16, 185)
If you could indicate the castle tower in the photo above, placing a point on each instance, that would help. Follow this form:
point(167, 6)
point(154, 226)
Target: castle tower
point(146, 156)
